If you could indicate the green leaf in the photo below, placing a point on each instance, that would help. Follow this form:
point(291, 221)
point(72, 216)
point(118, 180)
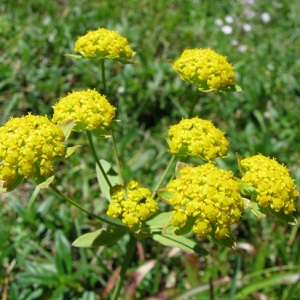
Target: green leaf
point(281, 216)
point(179, 166)
point(180, 242)
point(63, 257)
point(158, 221)
point(71, 150)
point(165, 195)
point(101, 237)
point(168, 228)
point(111, 174)
point(67, 127)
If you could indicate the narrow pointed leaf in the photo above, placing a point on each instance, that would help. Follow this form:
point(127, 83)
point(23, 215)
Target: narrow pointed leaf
point(281, 216)
point(164, 195)
point(111, 174)
point(180, 242)
point(101, 237)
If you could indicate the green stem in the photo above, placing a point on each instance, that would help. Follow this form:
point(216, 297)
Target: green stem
point(127, 259)
point(92, 146)
point(72, 202)
point(117, 157)
point(103, 76)
point(235, 277)
point(194, 101)
point(163, 176)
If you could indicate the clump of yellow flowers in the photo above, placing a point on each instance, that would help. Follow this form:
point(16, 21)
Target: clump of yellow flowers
point(89, 109)
point(28, 146)
point(274, 187)
point(132, 203)
point(105, 44)
point(197, 137)
point(205, 68)
point(210, 196)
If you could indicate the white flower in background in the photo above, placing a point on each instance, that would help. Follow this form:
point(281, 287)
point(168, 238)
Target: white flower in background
point(227, 29)
point(229, 19)
point(242, 48)
point(234, 42)
point(249, 13)
point(247, 27)
point(219, 22)
point(265, 17)
point(247, 2)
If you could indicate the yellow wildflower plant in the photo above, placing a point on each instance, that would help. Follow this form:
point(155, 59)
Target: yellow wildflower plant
point(132, 203)
point(273, 185)
point(197, 137)
point(28, 146)
point(206, 69)
point(105, 44)
point(89, 109)
point(210, 196)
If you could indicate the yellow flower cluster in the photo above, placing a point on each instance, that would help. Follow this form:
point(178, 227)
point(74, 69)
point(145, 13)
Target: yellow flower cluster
point(197, 137)
point(89, 109)
point(208, 194)
point(28, 146)
point(204, 68)
point(274, 186)
point(133, 203)
point(103, 43)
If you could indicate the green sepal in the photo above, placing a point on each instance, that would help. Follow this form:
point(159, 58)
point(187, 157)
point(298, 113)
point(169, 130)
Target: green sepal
point(230, 88)
point(46, 183)
point(18, 181)
point(101, 237)
point(67, 127)
point(259, 211)
point(104, 132)
point(179, 166)
point(168, 228)
point(228, 242)
point(245, 188)
point(187, 227)
point(110, 57)
point(164, 195)
point(71, 150)
point(75, 56)
point(281, 216)
point(181, 242)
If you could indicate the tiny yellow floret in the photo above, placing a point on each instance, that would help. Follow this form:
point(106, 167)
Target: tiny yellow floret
point(28, 146)
point(198, 138)
point(274, 186)
point(208, 194)
point(89, 109)
point(132, 203)
point(204, 68)
point(104, 43)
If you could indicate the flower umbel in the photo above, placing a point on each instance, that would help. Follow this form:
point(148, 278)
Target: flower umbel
point(274, 186)
point(28, 146)
point(206, 69)
point(89, 109)
point(104, 43)
point(209, 195)
point(197, 137)
point(132, 203)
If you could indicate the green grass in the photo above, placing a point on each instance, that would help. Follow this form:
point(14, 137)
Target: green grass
point(36, 229)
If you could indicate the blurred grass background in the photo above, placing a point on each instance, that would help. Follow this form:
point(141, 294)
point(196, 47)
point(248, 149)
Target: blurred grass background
point(260, 38)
